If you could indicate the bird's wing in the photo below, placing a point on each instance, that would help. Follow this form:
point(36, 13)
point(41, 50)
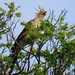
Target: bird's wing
point(21, 41)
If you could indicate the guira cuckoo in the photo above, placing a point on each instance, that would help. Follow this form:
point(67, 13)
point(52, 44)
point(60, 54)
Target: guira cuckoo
point(21, 41)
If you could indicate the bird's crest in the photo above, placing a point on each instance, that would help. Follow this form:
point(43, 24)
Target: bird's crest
point(41, 11)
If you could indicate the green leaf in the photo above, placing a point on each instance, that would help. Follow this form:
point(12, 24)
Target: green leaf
point(7, 4)
point(9, 44)
point(1, 14)
point(11, 6)
point(62, 18)
point(2, 10)
point(73, 41)
point(18, 14)
point(24, 23)
point(69, 34)
point(17, 7)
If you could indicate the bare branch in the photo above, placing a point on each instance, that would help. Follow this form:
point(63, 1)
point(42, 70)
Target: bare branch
point(63, 13)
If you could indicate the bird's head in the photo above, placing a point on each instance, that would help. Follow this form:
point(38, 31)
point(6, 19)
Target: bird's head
point(41, 13)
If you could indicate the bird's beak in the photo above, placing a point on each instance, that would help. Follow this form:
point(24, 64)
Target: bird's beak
point(45, 13)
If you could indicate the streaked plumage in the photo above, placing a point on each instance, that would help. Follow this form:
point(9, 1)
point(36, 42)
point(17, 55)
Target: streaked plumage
point(21, 38)
point(20, 41)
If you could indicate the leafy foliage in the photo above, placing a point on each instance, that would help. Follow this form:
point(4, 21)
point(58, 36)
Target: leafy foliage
point(50, 48)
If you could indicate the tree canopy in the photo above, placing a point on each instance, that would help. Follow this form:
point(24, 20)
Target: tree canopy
point(51, 50)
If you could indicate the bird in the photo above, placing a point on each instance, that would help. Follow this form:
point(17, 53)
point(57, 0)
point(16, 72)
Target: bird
point(21, 39)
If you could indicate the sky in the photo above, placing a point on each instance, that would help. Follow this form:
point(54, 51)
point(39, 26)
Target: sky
point(28, 9)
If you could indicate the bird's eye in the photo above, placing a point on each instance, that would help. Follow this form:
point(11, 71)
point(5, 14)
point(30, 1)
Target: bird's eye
point(43, 13)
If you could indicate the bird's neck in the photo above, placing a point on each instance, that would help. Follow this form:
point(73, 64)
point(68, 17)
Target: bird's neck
point(39, 18)
point(37, 21)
